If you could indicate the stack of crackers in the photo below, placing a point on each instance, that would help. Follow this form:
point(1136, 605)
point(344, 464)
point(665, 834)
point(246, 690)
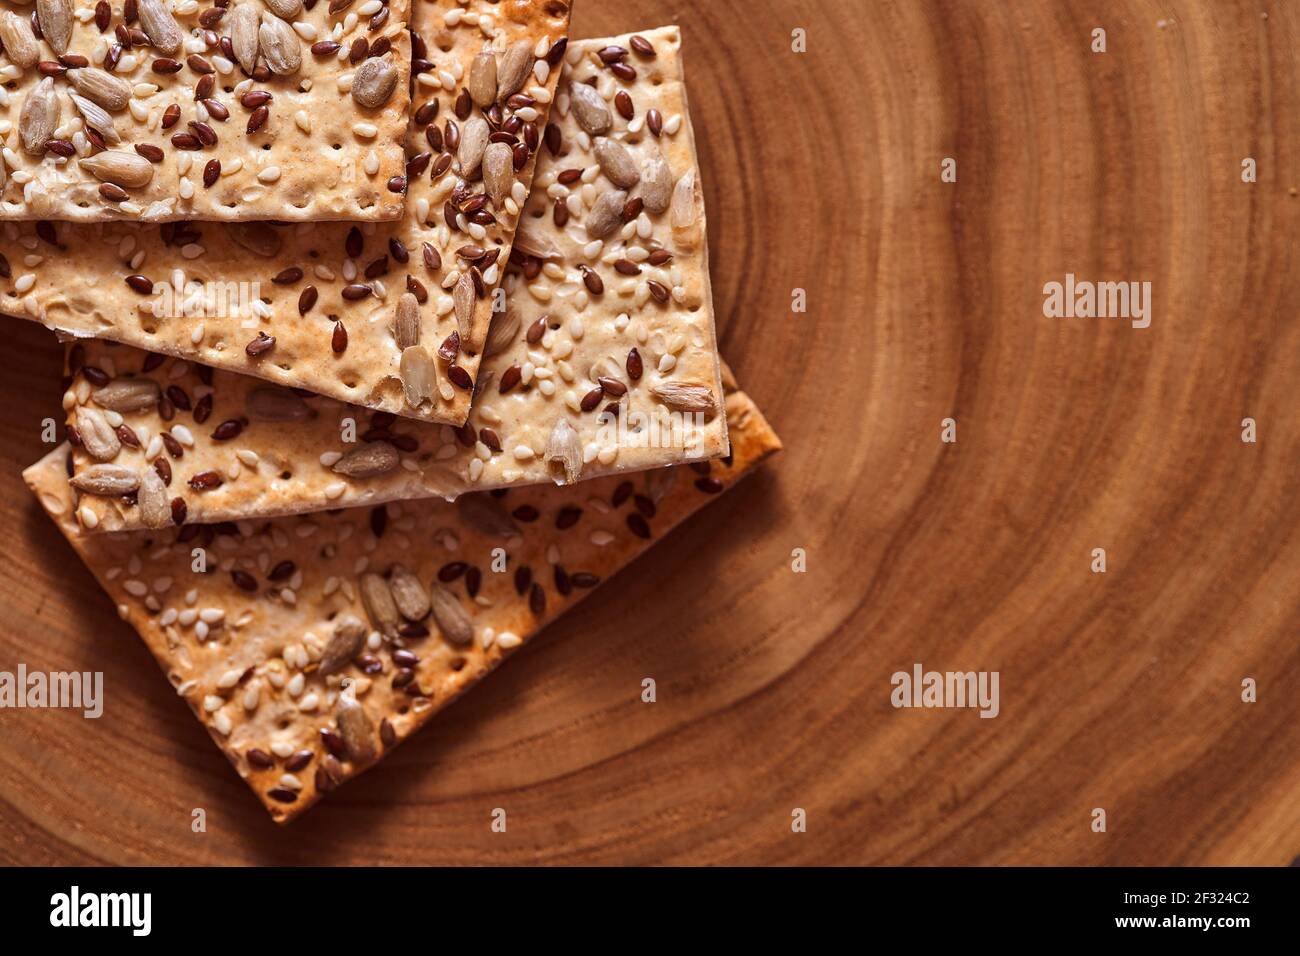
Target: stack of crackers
point(389, 336)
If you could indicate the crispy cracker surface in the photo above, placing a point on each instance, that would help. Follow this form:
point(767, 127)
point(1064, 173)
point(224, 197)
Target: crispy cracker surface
point(181, 93)
point(311, 646)
point(573, 387)
point(314, 305)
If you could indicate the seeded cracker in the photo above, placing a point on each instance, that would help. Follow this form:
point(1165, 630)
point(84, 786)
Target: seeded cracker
point(162, 110)
point(576, 404)
point(291, 608)
point(314, 305)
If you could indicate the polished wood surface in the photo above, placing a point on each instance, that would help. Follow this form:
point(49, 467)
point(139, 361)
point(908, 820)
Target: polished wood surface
point(1119, 690)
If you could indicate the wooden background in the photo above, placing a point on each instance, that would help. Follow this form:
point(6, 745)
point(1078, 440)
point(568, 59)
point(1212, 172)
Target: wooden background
point(1119, 690)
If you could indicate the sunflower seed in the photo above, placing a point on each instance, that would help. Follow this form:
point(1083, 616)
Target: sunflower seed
point(285, 9)
point(371, 459)
point(659, 481)
point(406, 326)
point(374, 82)
point(502, 331)
point(589, 109)
point(271, 404)
point(683, 204)
point(473, 142)
point(159, 25)
point(119, 167)
point(280, 47)
point(18, 40)
point(534, 244)
point(96, 117)
point(419, 375)
point(462, 298)
point(564, 449)
point(127, 394)
point(243, 35)
point(356, 729)
point(107, 480)
point(514, 69)
point(606, 214)
point(155, 506)
point(377, 599)
point(55, 18)
point(482, 83)
point(616, 162)
point(656, 184)
point(257, 237)
point(344, 644)
point(498, 171)
point(408, 593)
point(39, 117)
point(686, 397)
point(455, 624)
point(97, 435)
point(486, 515)
point(111, 92)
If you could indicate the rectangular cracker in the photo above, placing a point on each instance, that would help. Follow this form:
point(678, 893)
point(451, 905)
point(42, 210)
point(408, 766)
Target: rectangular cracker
point(173, 80)
point(259, 645)
point(311, 305)
point(281, 453)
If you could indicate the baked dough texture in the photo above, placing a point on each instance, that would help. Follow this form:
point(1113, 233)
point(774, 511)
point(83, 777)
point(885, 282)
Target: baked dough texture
point(557, 398)
point(310, 646)
point(176, 87)
point(312, 305)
